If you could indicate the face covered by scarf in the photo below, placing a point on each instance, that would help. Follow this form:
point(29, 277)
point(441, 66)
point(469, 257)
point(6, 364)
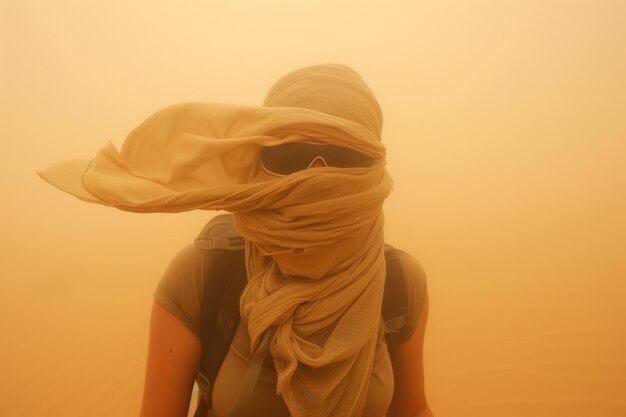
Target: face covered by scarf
point(315, 246)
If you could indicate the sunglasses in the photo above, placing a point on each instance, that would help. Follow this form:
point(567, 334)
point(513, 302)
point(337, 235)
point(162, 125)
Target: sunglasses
point(292, 157)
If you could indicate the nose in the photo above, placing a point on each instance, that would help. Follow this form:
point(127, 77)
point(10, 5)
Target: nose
point(318, 162)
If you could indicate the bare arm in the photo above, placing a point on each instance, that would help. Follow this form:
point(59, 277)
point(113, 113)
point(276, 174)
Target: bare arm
point(173, 356)
point(409, 398)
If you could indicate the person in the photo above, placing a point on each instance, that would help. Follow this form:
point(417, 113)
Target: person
point(304, 176)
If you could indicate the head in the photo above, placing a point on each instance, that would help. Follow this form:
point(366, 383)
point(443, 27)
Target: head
point(328, 88)
point(331, 89)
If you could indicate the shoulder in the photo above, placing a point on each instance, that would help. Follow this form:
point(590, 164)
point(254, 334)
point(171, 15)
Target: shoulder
point(415, 290)
point(181, 287)
point(188, 261)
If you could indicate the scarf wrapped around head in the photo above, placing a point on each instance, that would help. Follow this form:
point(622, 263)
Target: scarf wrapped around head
point(314, 252)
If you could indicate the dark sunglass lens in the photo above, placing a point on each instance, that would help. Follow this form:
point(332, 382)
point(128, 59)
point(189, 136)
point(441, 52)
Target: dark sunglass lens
point(296, 156)
point(341, 157)
point(284, 159)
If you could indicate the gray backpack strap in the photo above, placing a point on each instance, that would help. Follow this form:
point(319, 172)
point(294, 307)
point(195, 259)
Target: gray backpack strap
point(395, 302)
point(394, 306)
point(223, 284)
point(219, 235)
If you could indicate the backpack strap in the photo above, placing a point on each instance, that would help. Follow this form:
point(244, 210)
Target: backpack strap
point(394, 305)
point(223, 285)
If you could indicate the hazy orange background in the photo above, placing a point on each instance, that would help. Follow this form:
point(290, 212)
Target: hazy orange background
point(506, 134)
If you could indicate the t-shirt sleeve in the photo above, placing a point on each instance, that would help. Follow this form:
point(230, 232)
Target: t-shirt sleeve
point(180, 288)
point(415, 279)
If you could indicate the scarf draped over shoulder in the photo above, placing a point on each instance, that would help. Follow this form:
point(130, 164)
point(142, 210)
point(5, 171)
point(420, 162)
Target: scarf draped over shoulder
point(315, 245)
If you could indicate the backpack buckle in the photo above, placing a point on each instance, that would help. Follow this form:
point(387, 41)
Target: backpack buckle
point(219, 233)
point(395, 325)
point(203, 384)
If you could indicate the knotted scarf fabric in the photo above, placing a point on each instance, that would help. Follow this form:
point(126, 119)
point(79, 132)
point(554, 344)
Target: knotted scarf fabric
point(314, 252)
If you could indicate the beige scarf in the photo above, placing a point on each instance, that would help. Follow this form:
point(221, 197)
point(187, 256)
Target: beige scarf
point(315, 238)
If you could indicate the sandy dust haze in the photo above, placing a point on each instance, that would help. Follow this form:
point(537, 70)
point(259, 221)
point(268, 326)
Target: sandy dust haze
point(505, 124)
